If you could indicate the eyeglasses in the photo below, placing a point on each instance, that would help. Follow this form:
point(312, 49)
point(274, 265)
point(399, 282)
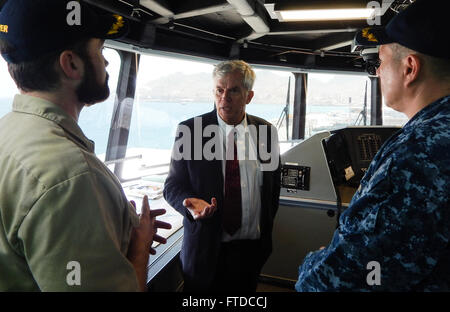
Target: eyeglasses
point(372, 66)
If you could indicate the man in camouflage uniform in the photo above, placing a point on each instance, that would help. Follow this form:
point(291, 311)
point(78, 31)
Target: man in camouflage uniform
point(394, 236)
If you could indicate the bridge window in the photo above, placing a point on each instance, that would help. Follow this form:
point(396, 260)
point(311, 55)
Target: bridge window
point(271, 99)
point(170, 90)
point(8, 89)
point(336, 101)
point(392, 117)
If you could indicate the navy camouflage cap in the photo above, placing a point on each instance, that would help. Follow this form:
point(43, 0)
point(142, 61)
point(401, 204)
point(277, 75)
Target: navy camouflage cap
point(36, 27)
point(422, 27)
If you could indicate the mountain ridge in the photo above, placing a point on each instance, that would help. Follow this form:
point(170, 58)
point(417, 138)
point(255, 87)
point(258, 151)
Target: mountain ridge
point(269, 88)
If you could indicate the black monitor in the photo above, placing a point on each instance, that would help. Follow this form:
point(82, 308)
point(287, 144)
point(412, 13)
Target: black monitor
point(349, 151)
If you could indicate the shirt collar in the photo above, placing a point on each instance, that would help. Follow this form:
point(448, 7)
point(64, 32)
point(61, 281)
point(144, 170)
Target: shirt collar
point(226, 128)
point(45, 109)
point(440, 106)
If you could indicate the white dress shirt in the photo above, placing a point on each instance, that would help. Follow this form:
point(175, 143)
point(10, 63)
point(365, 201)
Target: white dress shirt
point(251, 179)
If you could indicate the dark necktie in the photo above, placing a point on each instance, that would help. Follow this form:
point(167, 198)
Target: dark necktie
point(232, 205)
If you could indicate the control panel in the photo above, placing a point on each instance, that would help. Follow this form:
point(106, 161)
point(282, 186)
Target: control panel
point(295, 177)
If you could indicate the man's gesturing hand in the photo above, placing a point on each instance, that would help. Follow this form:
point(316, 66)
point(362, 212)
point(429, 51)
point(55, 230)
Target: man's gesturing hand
point(199, 208)
point(148, 226)
point(142, 238)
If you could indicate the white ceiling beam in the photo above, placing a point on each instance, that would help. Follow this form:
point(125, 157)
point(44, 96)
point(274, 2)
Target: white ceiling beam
point(248, 14)
point(197, 12)
point(156, 7)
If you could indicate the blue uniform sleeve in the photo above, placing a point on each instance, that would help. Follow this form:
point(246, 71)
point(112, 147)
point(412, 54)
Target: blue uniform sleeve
point(399, 218)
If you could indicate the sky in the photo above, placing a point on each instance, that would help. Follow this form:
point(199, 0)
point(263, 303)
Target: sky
point(7, 86)
point(154, 67)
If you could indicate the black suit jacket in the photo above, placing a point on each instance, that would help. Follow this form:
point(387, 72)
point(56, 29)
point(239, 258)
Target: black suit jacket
point(204, 179)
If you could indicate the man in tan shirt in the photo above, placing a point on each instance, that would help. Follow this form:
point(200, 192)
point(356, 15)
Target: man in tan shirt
point(65, 223)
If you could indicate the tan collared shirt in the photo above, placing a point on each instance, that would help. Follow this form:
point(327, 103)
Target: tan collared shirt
point(65, 223)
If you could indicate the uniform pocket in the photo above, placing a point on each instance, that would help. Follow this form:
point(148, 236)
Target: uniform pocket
point(365, 206)
point(369, 184)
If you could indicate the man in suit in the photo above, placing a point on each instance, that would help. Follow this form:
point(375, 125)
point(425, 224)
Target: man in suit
point(224, 179)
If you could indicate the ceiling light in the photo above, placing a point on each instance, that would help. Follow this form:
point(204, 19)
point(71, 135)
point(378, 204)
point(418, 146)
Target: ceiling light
point(322, 15)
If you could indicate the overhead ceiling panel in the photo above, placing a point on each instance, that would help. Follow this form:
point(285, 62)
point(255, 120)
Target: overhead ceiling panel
point(220, 29)
point(227, 23)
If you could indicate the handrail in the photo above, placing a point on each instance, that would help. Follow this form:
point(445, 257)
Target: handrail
point(118, 161)
point(291, 141)
point(154, 166)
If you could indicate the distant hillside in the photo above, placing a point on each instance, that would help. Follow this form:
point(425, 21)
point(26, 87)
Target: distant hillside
point(269, 88)
point(179, 87)
point(341, 90)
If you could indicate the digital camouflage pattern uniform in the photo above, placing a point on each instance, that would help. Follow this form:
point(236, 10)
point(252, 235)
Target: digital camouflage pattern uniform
point(400, 216)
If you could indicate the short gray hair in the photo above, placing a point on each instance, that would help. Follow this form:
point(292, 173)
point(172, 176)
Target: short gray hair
point(438, 67)
point(227, 67)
